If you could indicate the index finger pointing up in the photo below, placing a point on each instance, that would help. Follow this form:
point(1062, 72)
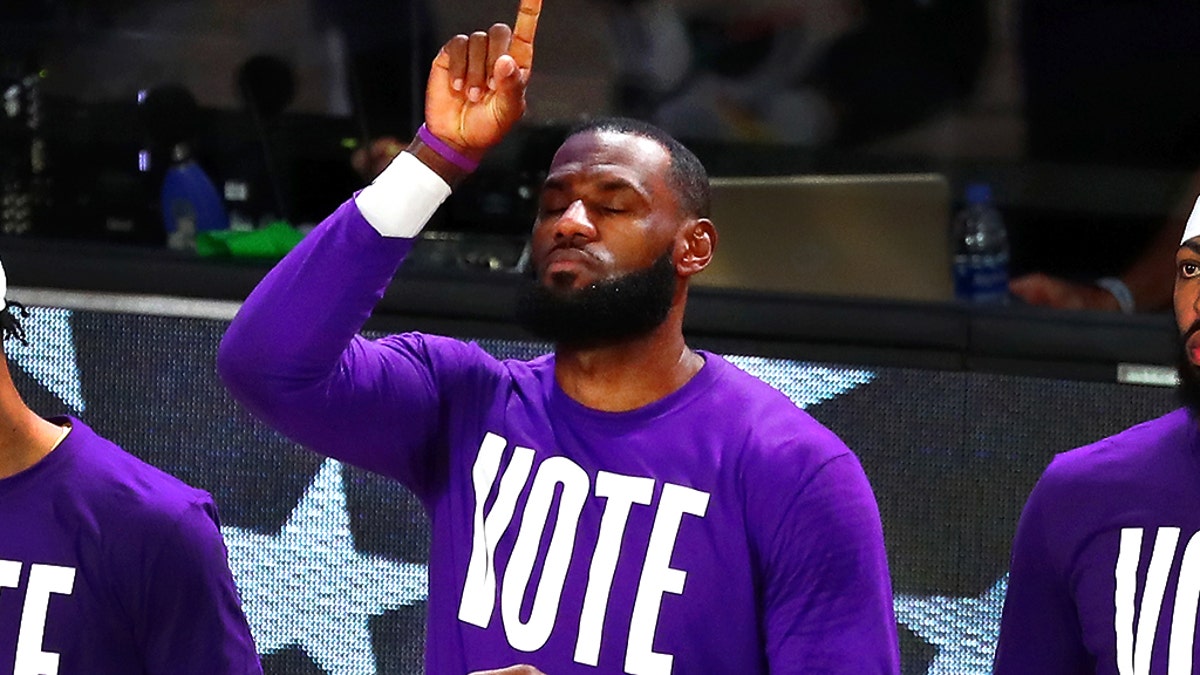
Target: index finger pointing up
point(523, 31)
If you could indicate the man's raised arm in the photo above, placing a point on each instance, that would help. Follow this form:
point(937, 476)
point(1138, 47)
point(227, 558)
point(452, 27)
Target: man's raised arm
point(292, 355)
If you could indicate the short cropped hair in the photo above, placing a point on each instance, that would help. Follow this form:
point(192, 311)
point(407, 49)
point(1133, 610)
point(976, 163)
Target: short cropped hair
point(687, 178)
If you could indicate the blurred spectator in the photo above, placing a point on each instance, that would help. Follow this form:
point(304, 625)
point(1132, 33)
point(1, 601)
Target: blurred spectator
point(384, 47)
point(815, 72)
point(108, 50)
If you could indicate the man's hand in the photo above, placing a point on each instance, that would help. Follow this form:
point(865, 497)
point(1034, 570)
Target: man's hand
point(477, 85)
point(370, 160)
point(511, 670)
point(1048, 291)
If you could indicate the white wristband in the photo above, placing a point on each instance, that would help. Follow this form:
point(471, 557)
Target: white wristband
point(1119, 291)
point(403, 198)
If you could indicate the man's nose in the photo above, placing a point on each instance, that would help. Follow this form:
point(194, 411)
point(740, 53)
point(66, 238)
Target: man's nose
point(574, 223)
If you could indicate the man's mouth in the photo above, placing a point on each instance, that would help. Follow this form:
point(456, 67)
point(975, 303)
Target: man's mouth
point(564, 265)
point(567, 255)
point(1191, 347)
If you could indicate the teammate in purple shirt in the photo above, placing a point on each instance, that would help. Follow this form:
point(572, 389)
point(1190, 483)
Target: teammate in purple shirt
point(1106, 562)
point(623, 505)
point(108, 566)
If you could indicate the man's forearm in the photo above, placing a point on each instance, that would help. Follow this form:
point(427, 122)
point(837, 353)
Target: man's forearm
point(294, 327)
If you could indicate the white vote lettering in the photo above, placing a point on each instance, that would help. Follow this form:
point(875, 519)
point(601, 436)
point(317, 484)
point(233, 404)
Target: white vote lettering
point(532, 635)
point(10, 573)
point(620, 493)
point(1183, 624)
point(1135, 643)
point(562, 480)
point(44, 580)
point(658, 577)
point(479, 590)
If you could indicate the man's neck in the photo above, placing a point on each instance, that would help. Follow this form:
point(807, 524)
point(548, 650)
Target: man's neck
point(630, 374)
point(25, 439)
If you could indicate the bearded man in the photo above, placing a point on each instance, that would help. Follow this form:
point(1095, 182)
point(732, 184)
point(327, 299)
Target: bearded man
point(626, 504)
point(1106, 561)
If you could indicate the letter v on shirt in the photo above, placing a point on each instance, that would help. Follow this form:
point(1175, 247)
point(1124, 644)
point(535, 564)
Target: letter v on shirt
point(621, 493)
point(1135, 641)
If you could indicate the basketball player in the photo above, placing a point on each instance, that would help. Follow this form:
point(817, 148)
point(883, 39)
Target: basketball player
point(626, 504)
point(1106, 561)
point(108, 566)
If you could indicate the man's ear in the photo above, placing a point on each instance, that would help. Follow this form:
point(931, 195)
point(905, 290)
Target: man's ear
point(695, 246)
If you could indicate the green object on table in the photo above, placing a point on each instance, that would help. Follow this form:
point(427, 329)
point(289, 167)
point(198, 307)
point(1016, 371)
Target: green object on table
point(267, 243)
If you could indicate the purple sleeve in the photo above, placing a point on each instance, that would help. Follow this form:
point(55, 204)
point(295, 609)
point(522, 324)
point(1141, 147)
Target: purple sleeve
point(1040, 630)
point(827, 595)
point(293, 356)
point(189, 616)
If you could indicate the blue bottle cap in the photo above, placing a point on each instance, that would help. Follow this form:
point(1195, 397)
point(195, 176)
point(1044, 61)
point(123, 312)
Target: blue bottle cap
point(979, 193)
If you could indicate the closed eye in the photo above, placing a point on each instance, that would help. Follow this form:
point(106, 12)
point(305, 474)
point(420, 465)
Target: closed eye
point(551, 208)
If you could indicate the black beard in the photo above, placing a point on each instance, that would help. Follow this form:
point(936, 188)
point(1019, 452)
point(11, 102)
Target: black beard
point(1188, 391)
point(602, 313)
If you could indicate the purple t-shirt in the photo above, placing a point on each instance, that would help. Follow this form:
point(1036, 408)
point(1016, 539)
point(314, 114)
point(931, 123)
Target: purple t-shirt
point(109, 566)
point(717, 530)
point(1106, 562)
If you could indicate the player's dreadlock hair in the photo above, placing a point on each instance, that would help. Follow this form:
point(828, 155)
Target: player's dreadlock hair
point(10, 321)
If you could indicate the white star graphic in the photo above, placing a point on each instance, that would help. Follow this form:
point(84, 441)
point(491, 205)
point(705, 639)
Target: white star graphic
point(804, 383)
point(964, 630)
point(308, 586)
point(50, 355)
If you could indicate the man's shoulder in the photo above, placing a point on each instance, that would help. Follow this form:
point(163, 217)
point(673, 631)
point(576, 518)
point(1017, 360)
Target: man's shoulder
point(736, 380)
point(778, 432)
point(1126, 457)
point(130, 488)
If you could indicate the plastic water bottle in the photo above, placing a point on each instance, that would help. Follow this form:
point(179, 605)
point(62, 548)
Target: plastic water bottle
point(190, 204)
point(980, 249)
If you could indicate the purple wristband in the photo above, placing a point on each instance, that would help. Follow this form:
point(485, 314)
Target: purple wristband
point(447, 153)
